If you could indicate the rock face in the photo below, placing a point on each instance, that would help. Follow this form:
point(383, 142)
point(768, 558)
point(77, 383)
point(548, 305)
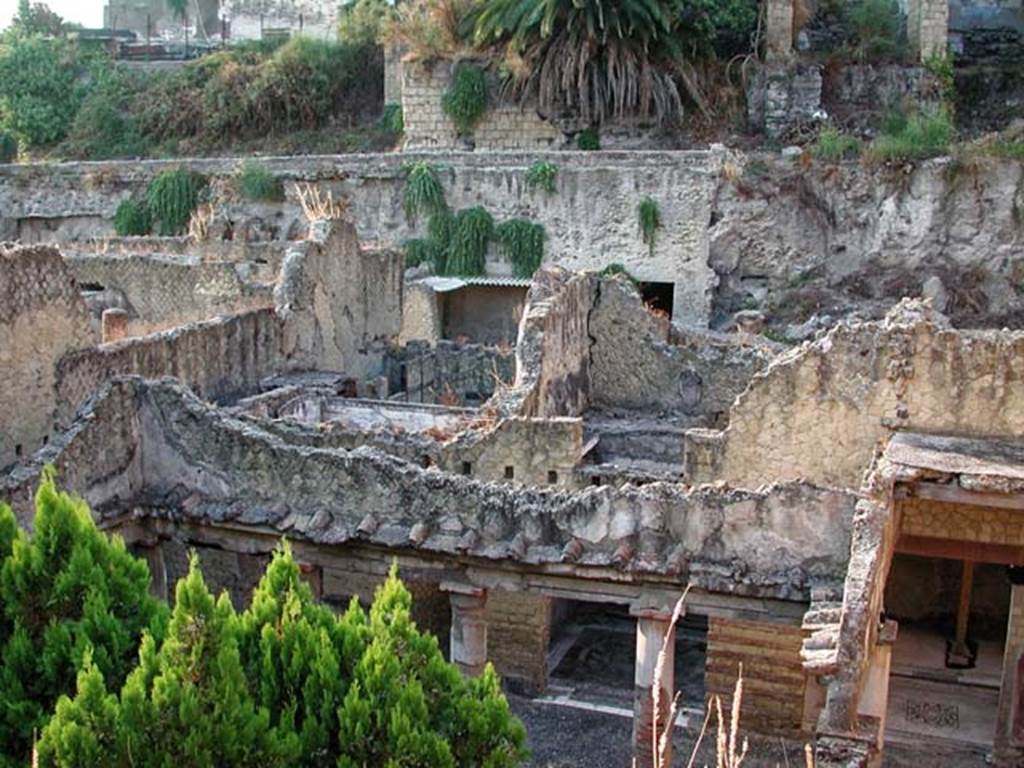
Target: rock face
point(796, 241)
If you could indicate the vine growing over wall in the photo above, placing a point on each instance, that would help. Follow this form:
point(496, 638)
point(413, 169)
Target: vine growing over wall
point(650, 221)
point(471, 231)
point(171, 198)
point(423, 191)
point(465, 101)
point(522, 241)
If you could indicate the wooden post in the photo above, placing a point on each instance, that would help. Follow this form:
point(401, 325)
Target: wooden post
point(960, 655)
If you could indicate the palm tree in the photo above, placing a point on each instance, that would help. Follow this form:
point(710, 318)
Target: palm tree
point(597, 59)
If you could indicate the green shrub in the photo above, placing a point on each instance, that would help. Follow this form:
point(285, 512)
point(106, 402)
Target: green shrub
point(542, 175)
point(650, 221)
point(588, 140)
point(70, 595)
point(724, 28)
point(39, 89)
point(1008, 149)
point(287, 682)
point(617, 269)
point(465, 101)
point(522, 242)
point(421, 251)
point(833, 146)
point(8, 148)
point(360, 22)
point(392, 120)
point(923, 135)
point(132, 218)
point(471, 232)
point(256, 183)
point(105, 125)
point(942, 66)
point(171, 198)
point(423, 191)
point(876, 24)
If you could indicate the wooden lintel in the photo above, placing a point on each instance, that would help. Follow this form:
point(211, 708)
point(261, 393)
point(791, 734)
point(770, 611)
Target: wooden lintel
point(951, 493)
point(954, 549)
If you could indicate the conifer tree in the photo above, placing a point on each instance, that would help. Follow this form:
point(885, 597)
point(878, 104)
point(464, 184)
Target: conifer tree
point(70, 593)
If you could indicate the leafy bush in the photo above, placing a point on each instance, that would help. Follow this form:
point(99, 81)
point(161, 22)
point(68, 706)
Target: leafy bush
point(105, 125)
point(465, 101)
point(392, 120)
point(39, 89)
point(542, 175)
point(471, 231)
point(172, 196)
point(876, 24)
point(70, 595)
point(256, 183)
point(423, 191)
point(833, 146)
point(8, 147)
point(588, 140)
point(429, 28)
point(650, 221)
point(287, 682)
point(360, 22)
point(132, 218)
point(942, 66)
point(522, 242)
point(1008, 149)
point(923, 135)
point(723, 28)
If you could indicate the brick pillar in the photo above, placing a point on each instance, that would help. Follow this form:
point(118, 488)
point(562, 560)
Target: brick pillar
point(468, 646)
point(651, 632)
point(1009, 740)
point(778, 38)
point(114, 324)
point(927, 27)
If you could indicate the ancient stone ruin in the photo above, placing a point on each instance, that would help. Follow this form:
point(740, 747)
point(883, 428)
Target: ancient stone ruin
point(802, 403)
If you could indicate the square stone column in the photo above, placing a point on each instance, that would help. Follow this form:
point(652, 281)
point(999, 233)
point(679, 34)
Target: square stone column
point(653, 632)
point(778, 33)
point(927, 27)
point(113, 325)
point(1009, 741)
point(468, 645)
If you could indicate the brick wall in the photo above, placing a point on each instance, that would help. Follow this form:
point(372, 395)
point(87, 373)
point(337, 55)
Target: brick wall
point(773, 679)
point(961, 522)
point(503, 126)
point(518, 629)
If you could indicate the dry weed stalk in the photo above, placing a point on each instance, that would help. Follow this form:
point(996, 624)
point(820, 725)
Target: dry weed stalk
point(317, 207)
point(449, 396)
point(726, 753)
point(661, 743)
point(199, 223)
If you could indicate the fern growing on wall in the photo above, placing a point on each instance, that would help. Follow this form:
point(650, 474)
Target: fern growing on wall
point(421, 251)
point(471, 231)
point(650, 221)
point(542, 175)
point(522, 241)
point(465, 101)
point(132, 218)
point(171, 198)
point(588, 140)
point(423, 191)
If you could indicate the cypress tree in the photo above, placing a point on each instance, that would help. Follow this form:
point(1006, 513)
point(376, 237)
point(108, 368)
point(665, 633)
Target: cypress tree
point(70, 594)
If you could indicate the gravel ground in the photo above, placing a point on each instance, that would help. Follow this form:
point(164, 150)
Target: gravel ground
point(564, 737)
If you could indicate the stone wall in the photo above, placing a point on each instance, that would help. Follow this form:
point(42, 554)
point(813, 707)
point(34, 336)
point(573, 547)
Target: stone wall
point(211, 468)
point(42, 317)
point(634, 366)
point(160, 293)
point(249, 19)
point(218, 359)
point(774, 682)
point(590, 221)
point(818, 411)
point(503, 126)
point(518, 630)
point(470, 372)
point(927, 27)
point(340, 305)
point(553, 349)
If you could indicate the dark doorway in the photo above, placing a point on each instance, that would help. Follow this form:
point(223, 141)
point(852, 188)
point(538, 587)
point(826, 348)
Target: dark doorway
point(658, 296)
